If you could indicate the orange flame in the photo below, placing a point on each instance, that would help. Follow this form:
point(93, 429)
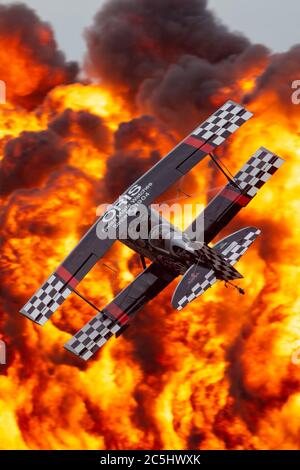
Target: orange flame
point(217, 375)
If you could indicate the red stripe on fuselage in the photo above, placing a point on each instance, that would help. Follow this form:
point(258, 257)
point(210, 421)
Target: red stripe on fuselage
point(66, 276)
point(117, 312)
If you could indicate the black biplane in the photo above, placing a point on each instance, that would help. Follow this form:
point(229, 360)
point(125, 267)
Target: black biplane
point(171, 251)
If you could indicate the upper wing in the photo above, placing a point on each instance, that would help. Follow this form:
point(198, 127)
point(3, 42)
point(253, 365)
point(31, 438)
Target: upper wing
point(194, 148)
point(116, 316)
point(61, 283)
point(203, 140)
point(210, 134)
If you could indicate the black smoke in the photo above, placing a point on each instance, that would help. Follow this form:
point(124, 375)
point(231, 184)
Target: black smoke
point(136, 151)
point(88, 126)
point(30, 158)
point(277, 78)
point(168, 57)
point(31, 63)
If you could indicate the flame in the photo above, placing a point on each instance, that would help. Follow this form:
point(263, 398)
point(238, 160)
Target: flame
point(217, 375)
point(247, 85)
point(92, 98)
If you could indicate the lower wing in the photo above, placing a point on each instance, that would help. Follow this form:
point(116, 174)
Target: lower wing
point(117, 315)
point(234, 196)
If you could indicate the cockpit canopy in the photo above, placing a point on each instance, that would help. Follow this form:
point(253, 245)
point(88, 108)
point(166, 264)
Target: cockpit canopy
point(165, 239)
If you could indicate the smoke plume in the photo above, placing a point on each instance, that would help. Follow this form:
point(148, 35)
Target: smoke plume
point(169, 57)
point(30, 62)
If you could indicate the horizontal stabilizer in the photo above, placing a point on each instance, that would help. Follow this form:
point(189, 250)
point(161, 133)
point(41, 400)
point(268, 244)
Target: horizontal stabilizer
point(198, 279)
point(215, 260)
point(234, 246)
point(193, 284)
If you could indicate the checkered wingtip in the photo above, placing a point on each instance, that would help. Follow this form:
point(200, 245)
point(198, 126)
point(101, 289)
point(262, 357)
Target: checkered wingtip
point(257, 171)
point(224, 122)
point(46, 300)
point(92, 336)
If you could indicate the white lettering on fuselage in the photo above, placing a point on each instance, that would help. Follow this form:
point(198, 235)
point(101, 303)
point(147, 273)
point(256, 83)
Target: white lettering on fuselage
point(126, 205)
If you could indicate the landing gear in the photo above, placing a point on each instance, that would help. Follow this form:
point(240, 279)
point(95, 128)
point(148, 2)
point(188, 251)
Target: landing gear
point(143, 261)
point(239, 289)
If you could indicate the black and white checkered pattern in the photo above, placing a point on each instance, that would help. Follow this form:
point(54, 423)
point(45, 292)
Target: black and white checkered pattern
point(219, 264)
point(92, 336)
point(235, 250)
point(224, 122)
point(46, 300)
point(231, 248)
point(257, 171)
point(198, 289)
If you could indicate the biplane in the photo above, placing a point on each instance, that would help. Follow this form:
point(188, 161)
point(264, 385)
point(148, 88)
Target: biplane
point(170, 252)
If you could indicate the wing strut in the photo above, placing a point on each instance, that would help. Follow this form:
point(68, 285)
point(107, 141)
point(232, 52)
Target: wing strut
point(86, 300)
point(225, 171)
point(143, 261)
point(238, 288)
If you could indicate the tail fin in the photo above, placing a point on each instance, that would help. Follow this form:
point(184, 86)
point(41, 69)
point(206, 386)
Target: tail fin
point(198, 279)
point(234, 246)
point(231, 199)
